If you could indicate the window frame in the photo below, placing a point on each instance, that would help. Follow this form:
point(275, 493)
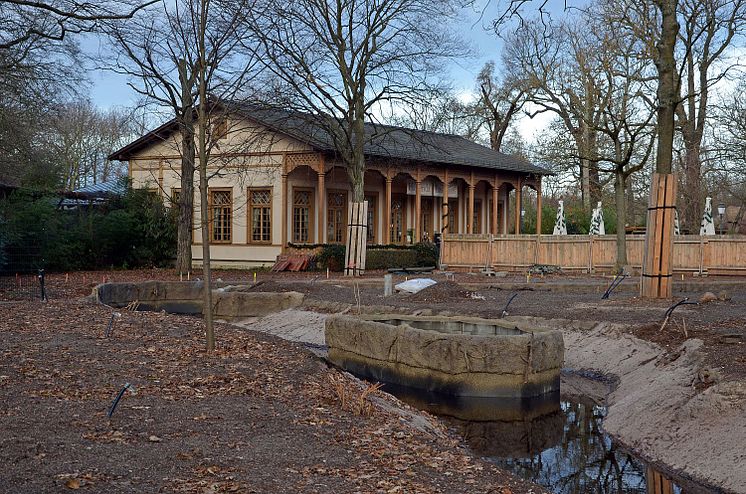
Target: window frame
point(250, 216)
point(311, 214)
point(345, 214)
point(403, 199)
point(212, 211)
point(375, 195)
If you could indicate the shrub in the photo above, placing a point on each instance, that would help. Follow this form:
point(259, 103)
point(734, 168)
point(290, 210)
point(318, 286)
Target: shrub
point(331, 256)
point(387, 256)
point(390, 258)
point(135, 230)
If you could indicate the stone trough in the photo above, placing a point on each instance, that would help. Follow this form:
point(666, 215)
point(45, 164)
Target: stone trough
point(458, 356)
point(230, 303)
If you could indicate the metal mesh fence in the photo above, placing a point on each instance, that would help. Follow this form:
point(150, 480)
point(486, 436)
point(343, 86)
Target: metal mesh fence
point(20, 273)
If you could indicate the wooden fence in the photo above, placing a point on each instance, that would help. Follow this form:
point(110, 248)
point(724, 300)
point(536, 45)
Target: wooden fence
point(712, 255)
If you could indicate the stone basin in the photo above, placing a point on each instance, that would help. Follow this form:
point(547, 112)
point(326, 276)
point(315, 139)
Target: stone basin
point(459, 356)
point(230, 303)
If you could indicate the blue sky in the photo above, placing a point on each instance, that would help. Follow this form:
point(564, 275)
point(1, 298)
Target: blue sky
point(109, 90)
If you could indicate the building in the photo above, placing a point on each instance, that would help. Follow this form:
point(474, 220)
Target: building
point(276, 180)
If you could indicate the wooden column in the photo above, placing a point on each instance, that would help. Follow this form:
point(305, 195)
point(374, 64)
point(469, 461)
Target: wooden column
point(417, 210)
point(470, 219)
point(518, 208)
point(387, 216)
point(320, 202)
point(538, 208)
point(444, 209)
point(494, 208)
point(284, 197)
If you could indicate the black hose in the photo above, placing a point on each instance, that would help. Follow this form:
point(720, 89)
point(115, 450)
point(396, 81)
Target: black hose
point(617, 281)
point(505, 310)
point(116, 400)
point(685, 301)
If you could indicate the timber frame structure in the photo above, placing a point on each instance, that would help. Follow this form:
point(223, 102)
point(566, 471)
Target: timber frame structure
point(286, 185)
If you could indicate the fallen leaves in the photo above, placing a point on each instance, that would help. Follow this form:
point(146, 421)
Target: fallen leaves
point(259, 414)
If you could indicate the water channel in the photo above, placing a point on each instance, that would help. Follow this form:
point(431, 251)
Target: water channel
point(555, 441)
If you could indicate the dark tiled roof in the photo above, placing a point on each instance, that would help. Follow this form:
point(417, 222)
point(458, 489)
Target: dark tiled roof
point(392, 142)
point(384, 141)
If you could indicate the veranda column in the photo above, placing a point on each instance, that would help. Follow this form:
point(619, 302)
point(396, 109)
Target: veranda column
point(494, 208)
point(518, 209)
point(320, 202)
point(538, 208)
point(417, 210)
point(284, 197)
point(387, 216)
point(470, 219)
point(444, 209)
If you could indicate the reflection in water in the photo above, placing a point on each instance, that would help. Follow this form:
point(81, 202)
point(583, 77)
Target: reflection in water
point(557, 444)
point(584, 460)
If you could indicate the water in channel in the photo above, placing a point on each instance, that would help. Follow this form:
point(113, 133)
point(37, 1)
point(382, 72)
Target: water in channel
point(553, 441)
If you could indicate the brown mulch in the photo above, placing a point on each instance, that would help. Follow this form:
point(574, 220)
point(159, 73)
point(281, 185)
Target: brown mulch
point(258, 415)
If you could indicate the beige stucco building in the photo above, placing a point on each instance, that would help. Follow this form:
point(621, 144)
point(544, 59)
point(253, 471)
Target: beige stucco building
point(275, 180)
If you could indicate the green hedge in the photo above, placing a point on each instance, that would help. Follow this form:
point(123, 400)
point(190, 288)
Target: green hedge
point(131, 231)
point(332, 256)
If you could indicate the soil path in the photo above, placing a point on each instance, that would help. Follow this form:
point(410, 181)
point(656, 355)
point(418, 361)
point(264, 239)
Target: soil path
point(666, 406)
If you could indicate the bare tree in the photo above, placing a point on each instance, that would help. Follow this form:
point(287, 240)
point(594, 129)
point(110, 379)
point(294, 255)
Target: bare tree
point(157, 51)
point(708, 29)
point(498, 102)
point(344, 60)
point(554, 63)
point(83, 136)
point(26, 26)
point(438, 110)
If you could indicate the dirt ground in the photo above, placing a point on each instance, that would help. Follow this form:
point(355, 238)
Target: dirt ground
point(259, 415)
point(721, 324)
point(264, 415)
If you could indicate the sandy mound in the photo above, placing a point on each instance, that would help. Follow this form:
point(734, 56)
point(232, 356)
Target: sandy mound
point(444, 291)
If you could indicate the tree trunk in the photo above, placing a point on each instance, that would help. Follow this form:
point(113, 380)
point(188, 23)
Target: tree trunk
point(621, 219)
point(186, 197)
point(356, 169)
point(655, 242)
point(692, 199)
point(667, 90)
point(203, 181)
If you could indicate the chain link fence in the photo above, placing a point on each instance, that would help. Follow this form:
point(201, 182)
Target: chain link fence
point(21, 273)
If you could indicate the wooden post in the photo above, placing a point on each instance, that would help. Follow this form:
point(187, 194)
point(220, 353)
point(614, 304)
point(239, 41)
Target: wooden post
point(284, 196)
point(657, 266)
point(357, 231)
point(494, 208)
point(444, 209)
point(657, 483)
point(417, 210)
point(538, 208)
point(518, 209)
point(470, 219)
point(387, 216)
point(320, 202)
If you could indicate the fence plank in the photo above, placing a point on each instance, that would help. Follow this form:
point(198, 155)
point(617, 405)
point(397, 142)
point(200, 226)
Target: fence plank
point(691, 253)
